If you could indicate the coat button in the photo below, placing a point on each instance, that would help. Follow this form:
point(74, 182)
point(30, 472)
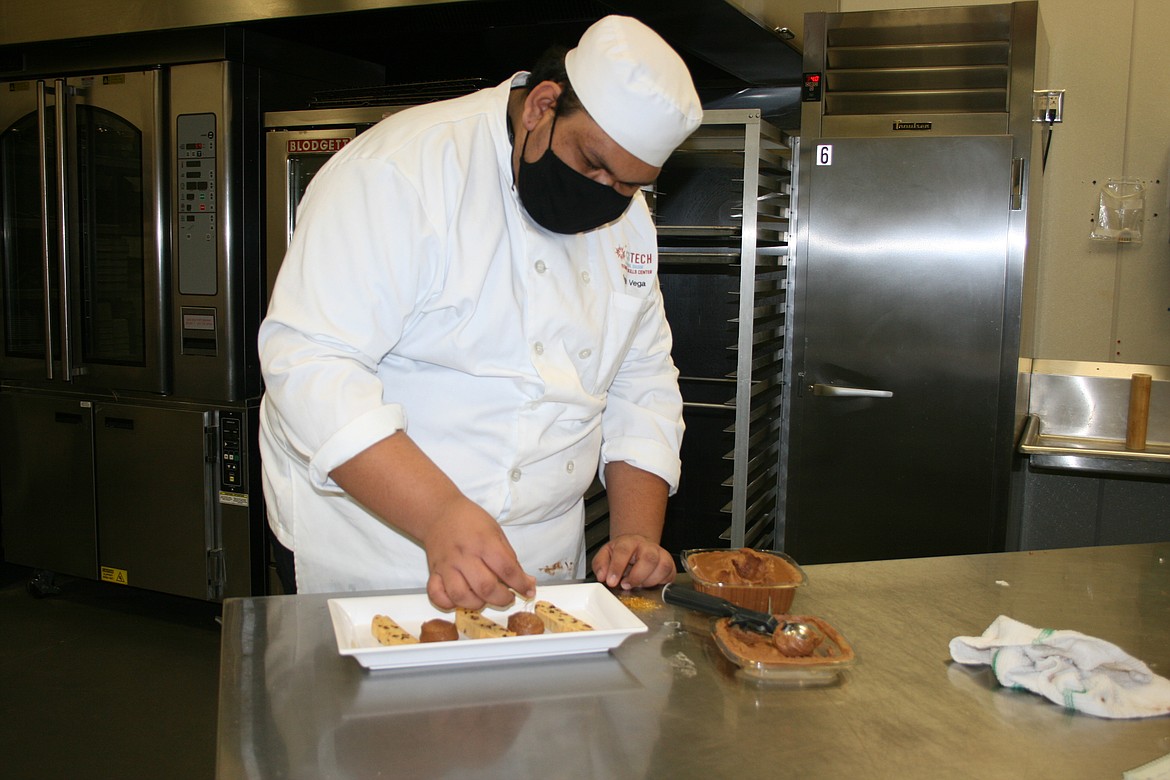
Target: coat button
point(570, 466)
point(514, 475)
point(541, 267)
point(538, 348)
point(585, 277)
point(584, 354)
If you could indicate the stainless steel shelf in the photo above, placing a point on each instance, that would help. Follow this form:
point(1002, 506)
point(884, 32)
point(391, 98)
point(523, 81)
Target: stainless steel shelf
point(1092, 455)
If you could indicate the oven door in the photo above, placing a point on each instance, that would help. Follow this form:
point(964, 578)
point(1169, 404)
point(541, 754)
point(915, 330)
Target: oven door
point(293, 158)
point(81, 214)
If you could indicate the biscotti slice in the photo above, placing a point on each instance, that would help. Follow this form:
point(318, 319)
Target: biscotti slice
point(556, 620)
point(387, 632)
point(475, 626)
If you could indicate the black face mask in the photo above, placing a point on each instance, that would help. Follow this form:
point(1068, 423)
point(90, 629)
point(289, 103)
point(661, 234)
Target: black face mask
point(563, 200)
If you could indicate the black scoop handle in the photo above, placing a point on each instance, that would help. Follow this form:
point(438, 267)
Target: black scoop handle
point(713, 605)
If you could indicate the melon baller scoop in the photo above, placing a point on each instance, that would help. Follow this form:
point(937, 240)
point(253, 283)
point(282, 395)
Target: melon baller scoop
point(760, 622)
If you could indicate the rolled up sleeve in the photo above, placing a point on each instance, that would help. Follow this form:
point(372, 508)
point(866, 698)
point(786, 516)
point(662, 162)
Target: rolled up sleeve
point(359, 435)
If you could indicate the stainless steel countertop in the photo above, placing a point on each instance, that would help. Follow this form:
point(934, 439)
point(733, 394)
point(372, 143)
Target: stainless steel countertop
point(667, 704)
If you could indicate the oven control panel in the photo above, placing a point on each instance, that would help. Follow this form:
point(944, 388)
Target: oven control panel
point(233, 470)
point(198, 239)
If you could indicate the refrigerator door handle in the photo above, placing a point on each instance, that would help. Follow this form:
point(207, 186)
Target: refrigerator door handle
point(1017, 183)
point(46, 252)
point(834, 391)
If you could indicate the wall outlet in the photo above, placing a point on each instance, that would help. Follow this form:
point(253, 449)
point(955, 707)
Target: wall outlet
point(1048, 106)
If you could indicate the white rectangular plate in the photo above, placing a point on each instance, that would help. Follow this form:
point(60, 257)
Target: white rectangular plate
point(612, 623)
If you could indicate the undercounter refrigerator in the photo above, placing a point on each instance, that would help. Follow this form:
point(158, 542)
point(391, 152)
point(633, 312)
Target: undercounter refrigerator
point(912, 296)
point(131, 288)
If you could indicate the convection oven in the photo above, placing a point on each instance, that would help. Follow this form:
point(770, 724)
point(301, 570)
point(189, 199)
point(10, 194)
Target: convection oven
point(131, 288)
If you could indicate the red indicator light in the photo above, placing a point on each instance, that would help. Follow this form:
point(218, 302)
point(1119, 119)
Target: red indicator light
point(814, 78)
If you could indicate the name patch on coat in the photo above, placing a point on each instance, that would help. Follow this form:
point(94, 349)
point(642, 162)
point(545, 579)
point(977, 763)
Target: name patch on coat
point(638, 268)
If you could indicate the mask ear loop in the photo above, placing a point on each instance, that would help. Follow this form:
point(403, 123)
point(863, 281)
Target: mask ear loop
point(551, 130)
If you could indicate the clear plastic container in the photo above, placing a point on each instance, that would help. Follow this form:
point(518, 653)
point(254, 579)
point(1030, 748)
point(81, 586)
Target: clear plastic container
point(772, 597)
point(831, 657)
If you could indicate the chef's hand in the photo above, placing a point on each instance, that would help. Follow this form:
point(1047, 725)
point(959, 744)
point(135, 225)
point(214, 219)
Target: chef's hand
point(470, 560)
point(633, 561)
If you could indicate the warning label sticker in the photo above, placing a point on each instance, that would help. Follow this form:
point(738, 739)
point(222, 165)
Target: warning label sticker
point(110, 574)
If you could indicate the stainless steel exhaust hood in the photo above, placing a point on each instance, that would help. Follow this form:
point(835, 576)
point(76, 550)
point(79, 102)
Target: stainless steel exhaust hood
point(723, 35)
point(722, 40)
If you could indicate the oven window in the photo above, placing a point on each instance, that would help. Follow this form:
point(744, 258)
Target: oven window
point(301, 170)
point(109, 151)
point(21, 258)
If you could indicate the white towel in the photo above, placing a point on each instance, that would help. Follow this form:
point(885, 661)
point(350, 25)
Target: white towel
point(1067, 667)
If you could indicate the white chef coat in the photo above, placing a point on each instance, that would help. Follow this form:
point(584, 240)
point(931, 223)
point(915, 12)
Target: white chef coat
point(417, 295)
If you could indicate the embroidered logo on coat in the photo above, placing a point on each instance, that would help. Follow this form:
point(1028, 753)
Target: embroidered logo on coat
point(638, 268)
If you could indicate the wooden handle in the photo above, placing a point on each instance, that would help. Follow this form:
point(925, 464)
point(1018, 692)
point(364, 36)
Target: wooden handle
point(1139, 412)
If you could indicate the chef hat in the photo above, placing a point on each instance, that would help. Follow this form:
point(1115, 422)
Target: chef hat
point(635, 87)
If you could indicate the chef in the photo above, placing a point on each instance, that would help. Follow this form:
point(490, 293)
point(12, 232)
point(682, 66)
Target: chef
point(467, 327)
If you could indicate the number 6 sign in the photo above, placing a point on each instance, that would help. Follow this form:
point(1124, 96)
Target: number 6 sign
point(824, 154)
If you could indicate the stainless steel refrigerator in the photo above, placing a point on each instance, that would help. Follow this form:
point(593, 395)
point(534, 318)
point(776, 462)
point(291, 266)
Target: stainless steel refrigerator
point(918, 190)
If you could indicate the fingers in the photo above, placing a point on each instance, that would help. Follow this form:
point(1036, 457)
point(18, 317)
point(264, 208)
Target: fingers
point(515, 578)
point(473, 584)
point(496, 575)
point(437, 593)
point(475, 577)
point(651, 566)
point(471, 562)
point(601, 562)
point(633, 562)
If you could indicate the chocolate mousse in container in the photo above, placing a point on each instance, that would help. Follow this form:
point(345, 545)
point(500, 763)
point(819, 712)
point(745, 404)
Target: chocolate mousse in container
point(763, 580)
point(818, 659)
